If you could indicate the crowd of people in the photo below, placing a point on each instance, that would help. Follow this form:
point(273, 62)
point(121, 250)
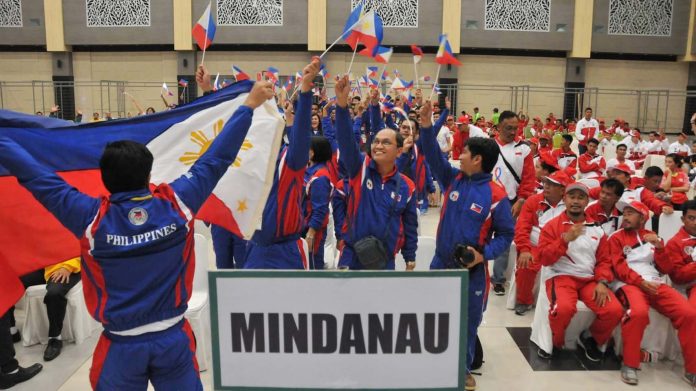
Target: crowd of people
point(351, 179)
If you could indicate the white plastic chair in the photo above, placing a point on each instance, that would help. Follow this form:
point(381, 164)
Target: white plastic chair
point(655, 160)
point(77, 326)
point(669, 225)
point(198, 312)
point(424, 254)
point(541, 329)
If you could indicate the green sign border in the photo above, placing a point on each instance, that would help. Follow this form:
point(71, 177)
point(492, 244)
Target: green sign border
point(214, 275)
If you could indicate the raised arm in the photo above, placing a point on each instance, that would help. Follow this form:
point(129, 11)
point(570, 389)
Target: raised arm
point(301, 133)
point(195, 186)
point(350, 151)
point(72, 208)
point(440, 167)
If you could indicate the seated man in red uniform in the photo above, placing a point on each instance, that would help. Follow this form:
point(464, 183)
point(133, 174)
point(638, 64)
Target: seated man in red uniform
point(680, 249)
point(579, 268)
point(639, 258)
point(538, 210)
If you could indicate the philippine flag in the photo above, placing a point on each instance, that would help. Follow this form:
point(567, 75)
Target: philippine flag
point(31, 238)
point(417, 54)
point(238, 74)
point(444, 54)
point(204, 30)
point(363, 28)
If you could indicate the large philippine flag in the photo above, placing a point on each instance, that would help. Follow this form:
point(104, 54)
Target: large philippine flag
point(31, 238)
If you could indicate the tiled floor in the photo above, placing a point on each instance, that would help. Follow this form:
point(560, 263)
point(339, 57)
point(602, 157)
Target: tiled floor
point(510, 359)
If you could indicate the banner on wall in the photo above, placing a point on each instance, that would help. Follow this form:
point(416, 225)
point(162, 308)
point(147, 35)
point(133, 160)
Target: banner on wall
point(279, 330)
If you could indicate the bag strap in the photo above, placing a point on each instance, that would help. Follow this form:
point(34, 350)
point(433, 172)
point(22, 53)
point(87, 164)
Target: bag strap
point(512, 170)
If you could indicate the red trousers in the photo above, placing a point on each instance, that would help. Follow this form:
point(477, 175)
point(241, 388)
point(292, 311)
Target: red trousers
point(564, 292)
point(525, 279)
point(669, 303)
point(692, 296)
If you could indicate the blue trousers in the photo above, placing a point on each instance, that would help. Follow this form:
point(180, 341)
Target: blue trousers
point(500, 265)
point(290, 255)
point(230, 249)
point(478, 299)
point(165, 358)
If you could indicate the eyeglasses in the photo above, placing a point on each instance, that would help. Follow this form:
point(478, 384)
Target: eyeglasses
point(385, 143)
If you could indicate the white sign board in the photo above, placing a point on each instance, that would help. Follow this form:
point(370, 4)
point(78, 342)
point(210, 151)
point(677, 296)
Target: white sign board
point(339, 330)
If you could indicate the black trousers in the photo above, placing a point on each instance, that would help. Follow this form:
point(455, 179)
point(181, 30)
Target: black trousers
point(8, 363)
point(55, 300)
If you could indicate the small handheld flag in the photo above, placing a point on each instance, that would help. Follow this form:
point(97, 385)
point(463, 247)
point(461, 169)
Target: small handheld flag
point(238, 74)
point(183, 83)
point(204, 30)
point(444, 54)
point(364, 28)
point(166, 89)
point(417, 54)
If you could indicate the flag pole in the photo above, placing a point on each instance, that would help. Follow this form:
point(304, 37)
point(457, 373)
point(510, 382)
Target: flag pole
point(379, 81)
point(415, 69)
point(437, 77)
point(205, 46)
point(353, 58)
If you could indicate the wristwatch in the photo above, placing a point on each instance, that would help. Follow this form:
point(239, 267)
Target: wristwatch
point(605, 282)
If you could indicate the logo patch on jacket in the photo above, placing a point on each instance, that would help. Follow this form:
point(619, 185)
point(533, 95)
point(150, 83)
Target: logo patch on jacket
point(396, 197)
point(369, 183)
point(454, 196)
point(626, 250)
point(137, 216)
point(476, 208)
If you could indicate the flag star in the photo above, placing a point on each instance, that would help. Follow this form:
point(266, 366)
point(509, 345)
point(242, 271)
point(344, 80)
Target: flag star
point(241, 205)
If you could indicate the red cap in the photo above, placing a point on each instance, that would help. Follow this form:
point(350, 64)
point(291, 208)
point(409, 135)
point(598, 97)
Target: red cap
point(636, 205)
point(544, 136)
point(463, 119)
point(534, 140)
point(560, 178)
point(548, 159)
point(623, 167)
point(635, 133)
point(577, 186)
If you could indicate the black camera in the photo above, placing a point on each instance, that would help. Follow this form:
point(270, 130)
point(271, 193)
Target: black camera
point(463, 256)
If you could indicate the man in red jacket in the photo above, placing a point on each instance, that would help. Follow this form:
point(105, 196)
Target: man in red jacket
point(603, 210)
point(567, 159)
point(680, 249)
point(639, 258)
point(574, 250)
point(538, 210)
point(591, 164)
point(632, 192)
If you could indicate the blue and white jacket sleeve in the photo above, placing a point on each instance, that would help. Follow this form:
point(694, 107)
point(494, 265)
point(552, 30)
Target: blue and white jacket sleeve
point(503, 230)
point(440, 167)
point(75, 210)
point(350, 152)
point(320, 196)
point(195, 186)
point(301, 133)
point(410, 221)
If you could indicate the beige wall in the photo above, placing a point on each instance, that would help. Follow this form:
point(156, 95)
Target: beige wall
point(25, 67)
point(628, 76)
point(145, 71)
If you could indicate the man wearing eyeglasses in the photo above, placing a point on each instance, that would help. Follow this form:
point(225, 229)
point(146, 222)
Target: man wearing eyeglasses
point(381, 206)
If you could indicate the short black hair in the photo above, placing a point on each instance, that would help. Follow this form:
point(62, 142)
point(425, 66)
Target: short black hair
point(399, 139)
point(588, 108)
point(614, 185)
point(621, 146)
point(549, 168)
point(592, 141)
point(507, 114)
point(567, 138)
point(321, 147)
point(125, 166)
point(653, 171)
point(356, 97)
point(486, 148)
point(495, 110)
point(654, 134)
point(688, 205)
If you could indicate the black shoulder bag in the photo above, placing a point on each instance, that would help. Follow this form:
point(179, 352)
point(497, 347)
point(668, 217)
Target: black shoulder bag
point(370, 250)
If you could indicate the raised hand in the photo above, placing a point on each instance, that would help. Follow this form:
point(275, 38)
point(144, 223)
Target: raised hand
point(261, 92)
point(309, 73)
point(426, 113)
point(342, 89)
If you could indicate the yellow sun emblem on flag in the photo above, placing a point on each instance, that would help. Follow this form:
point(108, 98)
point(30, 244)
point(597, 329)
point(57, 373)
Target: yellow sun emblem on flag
point(199, 137)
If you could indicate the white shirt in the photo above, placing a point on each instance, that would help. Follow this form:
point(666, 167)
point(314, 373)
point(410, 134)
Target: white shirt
point(653, 147)
point(444, 138)
point(581, 257)
point(675, 147)
point(475, 131)
point(614, 162)
point(583, 124)
point(515, 153)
